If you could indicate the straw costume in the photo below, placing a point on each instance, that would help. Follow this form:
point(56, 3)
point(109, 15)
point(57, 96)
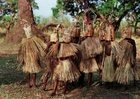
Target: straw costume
point(112, 55)
point(65, 70)
point(91, 47)
point(53, 44)
point(127, 70)
point(75, 31)
point(30, 51)
point(100, 57)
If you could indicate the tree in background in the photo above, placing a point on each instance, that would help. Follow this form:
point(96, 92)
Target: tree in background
point(8, 11)
point(105, 9)
point(18, 11)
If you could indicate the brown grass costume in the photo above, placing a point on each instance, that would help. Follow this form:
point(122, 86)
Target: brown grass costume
point(127, 70)
point(64, 70)
point(91, 47)
point(109, 67)
point(51, 55)
point(30, 51)
point(112, 54)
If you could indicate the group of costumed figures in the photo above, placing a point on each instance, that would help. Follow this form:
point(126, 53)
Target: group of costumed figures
point(75, 54)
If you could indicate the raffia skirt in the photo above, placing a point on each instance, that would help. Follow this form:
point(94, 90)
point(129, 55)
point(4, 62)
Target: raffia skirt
point(31, 51)
point(108, 70)
point(125, 74)
point(48, 70)
point(33, 67)
point(88, 65)
point(66, 70)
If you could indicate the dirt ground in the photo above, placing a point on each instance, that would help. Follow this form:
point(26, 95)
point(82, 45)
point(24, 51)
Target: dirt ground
point(13, 85)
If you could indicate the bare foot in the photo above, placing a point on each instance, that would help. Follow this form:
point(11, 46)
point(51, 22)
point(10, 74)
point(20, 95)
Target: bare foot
point(52, 94)
point(43, 88)
point(29, 86)
point(34, 86)
point(65, 91)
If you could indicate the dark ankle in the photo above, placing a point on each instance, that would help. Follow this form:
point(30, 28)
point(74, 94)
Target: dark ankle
point(34, 86)
point(43, 88)
point(29, 86)
point(53, 93)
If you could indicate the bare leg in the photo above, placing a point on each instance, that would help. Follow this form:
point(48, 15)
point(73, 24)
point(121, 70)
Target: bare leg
point(81, 80)
point(54, 88)
point(45, 83)
point(65, 88)
point(100, 77)
point(34, 80)
point(89, 79)
point(28, 79)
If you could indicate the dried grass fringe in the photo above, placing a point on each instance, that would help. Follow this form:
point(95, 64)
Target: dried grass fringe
point(30, 53)
point(53, 50)
point(67, 50)
point(125, 73)
point(91, 47)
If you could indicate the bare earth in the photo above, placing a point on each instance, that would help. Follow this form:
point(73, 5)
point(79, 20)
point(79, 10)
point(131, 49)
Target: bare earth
point(13, 86)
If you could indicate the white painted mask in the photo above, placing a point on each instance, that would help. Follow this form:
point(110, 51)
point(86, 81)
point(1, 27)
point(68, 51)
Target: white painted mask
point(53, 37)
point(28, 30)
point(66, 36)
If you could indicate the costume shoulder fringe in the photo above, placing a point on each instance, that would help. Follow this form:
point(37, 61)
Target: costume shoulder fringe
point(53, 50)
point(91, 47)
point(128, 51)
point(117, 51)
point(32, 45)
point(40, 45)
point(67, 50)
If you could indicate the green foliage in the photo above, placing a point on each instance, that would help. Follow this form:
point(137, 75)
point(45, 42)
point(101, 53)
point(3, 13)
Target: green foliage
point(59, 7)
point(115, 7)
point(37, 19)
point(55, 12)
point(9, 9)
point(34, 4)
point(7, 18)
point(105, 8)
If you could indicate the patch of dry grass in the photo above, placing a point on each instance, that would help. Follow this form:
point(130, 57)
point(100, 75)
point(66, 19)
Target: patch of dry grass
point(1, 39)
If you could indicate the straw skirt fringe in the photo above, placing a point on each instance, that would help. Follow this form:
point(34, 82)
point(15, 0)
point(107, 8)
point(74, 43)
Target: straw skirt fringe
point(91, 47)
point(88, 65)
point(67, 50)
point(125, 73)
point(108, 65)
point(108, 69)
point(29, 54)
point(66, 70)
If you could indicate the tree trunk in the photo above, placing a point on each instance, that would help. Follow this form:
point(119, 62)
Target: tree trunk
point(17, 33)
